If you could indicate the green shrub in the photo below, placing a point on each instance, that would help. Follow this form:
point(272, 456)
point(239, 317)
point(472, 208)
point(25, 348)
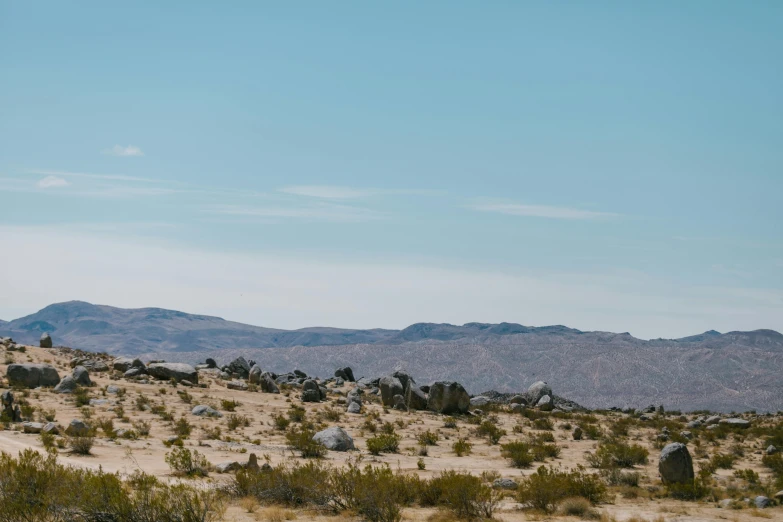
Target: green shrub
point(182, 428)
point(235, 421)
point(451, 422)
point(81, 445)
point(721, 461)
point(518, 452)
point(548, 486)
point(296, 413)
point(428, 438)
point(462, 447)
point(290, 484)
point(490, 430)
point(383, 443)
point(229, 405)
point(281, 422)
point(375, 493)
point(184, 461)
point(462, 493)
point(575, 507)
point(81, 396)
point(543, 423)
point(301, 439)
point(618, 454)
point(616, 477)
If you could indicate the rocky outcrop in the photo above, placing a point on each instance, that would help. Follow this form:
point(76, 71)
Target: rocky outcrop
point(536, 391)
point(176, 371)
point(448, 397)
point(66, 385)
point(390, 386)
point(81, 376)
point(46, 341)
point(335, 439)
point(30, 375)
point(345, 374)
point(675, 464)
point(123, 364)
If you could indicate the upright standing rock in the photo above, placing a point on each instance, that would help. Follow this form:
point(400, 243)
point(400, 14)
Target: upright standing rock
point(675, 464)
point(46, 341)
point(537, 390)
point(390, 386)
point(448, 397)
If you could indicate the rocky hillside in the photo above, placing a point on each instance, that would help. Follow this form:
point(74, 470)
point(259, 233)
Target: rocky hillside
point(732, 371)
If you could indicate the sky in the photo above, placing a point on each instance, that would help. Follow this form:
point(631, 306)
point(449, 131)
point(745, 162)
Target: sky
point(604, 165)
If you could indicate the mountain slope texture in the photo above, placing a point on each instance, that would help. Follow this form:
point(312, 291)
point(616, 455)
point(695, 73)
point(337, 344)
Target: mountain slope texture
point(732, 371)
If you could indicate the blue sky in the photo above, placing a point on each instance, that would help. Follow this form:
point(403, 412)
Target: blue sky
point(605, 165)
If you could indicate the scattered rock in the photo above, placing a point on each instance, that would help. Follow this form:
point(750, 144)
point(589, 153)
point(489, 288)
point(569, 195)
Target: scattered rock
point(518, 399)
point(227, 467)
point(176, 371)
point(268, 384)
point(113, 389)
point(211, 363)
point(134, 372)
point(32, 427)
point(239, 366)
point(390, 386)
point(202, 410)
point(123, 364)
point(51, 427)
point(254, 377)
point(66, 385)
point(675, 464)
point(415, 398)
point(345, 373)
point(771, 450)
point(762, 502)
point(714, 419)
point(448, 397)
point(311, 396)
point(538, 390)
point(736, 423)
point(545, 403)
point(577, 433)
point(30, 375)
point(335, 439)
point(77, 428)
point(46, 341)
point(399, 403)
point(237, 385)
point(354, 407)
point(81, 376)
point(505, 483)
point(476, 402)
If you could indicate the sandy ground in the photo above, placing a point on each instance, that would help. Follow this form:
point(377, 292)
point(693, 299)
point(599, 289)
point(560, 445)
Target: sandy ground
point(261, 438)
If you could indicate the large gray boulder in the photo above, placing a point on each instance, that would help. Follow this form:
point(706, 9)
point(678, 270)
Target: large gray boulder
point(123, 364)
point(448, 397)
point(81, 376)
point(335, 439)
point(240, 366)
point(46, 341)
point(345, 374)
point(254, 377)
point(675, 464)
point(415, 398)
point(30, 375)
point(77, 428)
point(66, 385)
point(202, 410)
point(176, 371)
point(390, 386)
point(268, 384)
point(405, 379)
point(735, 423)
point(545, 403)
point(538, 390)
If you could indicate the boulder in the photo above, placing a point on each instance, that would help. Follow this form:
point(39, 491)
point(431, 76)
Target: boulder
point(211, 363)
point(268, 385)
point(345, 373)
point(516, 408)
point(675, 464)
point(237, 385)
point(538, 390)
point(518, 399)
point(254, 377)
point(81, 376)
point(30, 375)
point(415, 398)
point(399, 403)
point(252, 463)
point(404, 378)
point(176, 371)
point(714, 419)
point(545, 403)
point(335, 439)
point(505, 483)
point(77, 428)
point(354, 407)
point(390, 386)
point(311, 396)
point(239, 366)
point(123, 364)
point(227, 467)
point(448, 397)
point(202, 410)
point(134, 372)
point(577, 433)
point(46, 341)
point(66, 385)
point(762, 502)
point(113, 389)
point(51, 427)
point(32, 427)
point(771, 450)
point(735, 423)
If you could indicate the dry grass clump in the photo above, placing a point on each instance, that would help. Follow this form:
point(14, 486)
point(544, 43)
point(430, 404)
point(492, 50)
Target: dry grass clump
point(276, 514)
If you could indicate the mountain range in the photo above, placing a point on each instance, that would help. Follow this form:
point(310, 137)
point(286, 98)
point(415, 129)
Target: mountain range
point(731, 371)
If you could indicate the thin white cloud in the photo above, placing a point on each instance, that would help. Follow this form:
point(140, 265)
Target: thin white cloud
point(112, 177)
point(52, 182)
point(119, 150)
point(318, 212)
point(541, 211)
point(327, 191)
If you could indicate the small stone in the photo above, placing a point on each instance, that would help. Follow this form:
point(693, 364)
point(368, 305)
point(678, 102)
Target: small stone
point(77, 428)
point(505, 483)
point(202, 410)
point(226, 467)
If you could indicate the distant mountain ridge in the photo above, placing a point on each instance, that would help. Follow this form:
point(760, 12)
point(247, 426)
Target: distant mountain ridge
point(731, 371)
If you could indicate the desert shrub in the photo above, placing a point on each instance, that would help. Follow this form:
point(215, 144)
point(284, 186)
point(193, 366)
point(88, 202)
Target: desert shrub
point(187, 462)
point(543, 423)
point(748, 475)
point(428, 438)
point(142, 427)
point(48, 414)
point(81, 445)
point(518, 452)
point(775, 463)
point(331, 414)
point(369, 425)
point(490, 430)
point(617, 477)
point(107, 426)
point(229, 405)
point(383, 443)
point(297, 413)
point(185, 396)
point(182, 428)
point(48, 440)
point(281, 422)
point(575, 507)
point(617, 454)
point(541, 452)
point(289, 484)
point(81, 396)
point(591, 431)
point(721, 461)
point(301, 439)
point(141, 402)
point(376, 493)
point(451, 422)
point(34, 487)
point(462, 493)
point(462, 447)
point(235, 421)
point(548, 486)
